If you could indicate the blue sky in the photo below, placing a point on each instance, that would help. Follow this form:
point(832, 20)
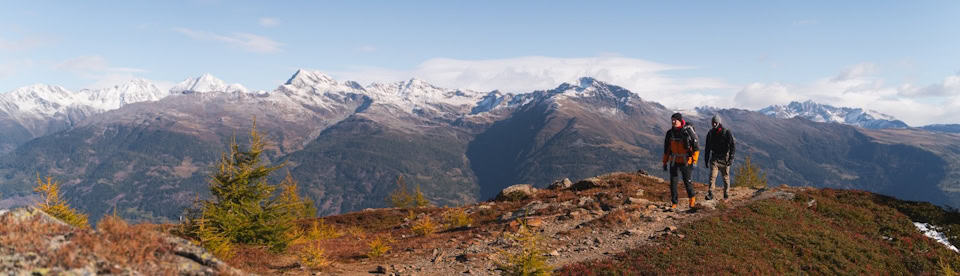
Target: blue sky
point(897, 57)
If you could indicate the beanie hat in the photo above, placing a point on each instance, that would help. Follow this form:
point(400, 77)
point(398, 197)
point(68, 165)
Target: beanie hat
point(716, 119)
point(676, 116)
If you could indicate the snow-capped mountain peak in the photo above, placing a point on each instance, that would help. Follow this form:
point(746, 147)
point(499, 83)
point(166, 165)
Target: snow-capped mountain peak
point(204, 84)
point(591, 87)
point(39, 99)
point(135, 90)
point(825, 113)
point(306, 78)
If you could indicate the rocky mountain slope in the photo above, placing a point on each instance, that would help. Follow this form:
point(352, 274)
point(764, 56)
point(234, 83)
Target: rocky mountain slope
point(951, 128)
point(346, 143)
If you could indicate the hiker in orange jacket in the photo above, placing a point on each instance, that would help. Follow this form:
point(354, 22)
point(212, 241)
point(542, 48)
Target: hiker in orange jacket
point(680, 150)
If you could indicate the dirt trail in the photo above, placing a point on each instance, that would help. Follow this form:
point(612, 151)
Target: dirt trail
point(577, 226)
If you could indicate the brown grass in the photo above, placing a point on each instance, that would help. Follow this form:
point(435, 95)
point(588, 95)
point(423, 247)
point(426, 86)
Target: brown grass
point(138, 247)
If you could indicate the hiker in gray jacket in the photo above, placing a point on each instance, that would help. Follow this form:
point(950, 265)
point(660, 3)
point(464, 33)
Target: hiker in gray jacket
point(718, 153)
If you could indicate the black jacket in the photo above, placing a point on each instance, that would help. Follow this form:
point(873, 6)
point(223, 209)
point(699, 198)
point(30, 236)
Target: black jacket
point(720, 145)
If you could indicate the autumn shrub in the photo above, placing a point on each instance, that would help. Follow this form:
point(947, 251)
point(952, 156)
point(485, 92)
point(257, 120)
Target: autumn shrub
point(457, 218)
point(320, 230)
point(127, 244)
point(356, 232)
point(424, 226)
point(379, 246)
point(313, 256)
point(528, 258)
point(749, 175)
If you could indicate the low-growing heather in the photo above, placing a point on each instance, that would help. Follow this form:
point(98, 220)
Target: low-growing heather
point(818, 232)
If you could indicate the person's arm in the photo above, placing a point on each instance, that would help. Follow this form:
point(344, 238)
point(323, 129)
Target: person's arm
point(733, 146)
point(706, 150)
point(666, 149)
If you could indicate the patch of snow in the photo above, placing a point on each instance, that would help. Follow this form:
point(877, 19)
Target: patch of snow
point(931, 232)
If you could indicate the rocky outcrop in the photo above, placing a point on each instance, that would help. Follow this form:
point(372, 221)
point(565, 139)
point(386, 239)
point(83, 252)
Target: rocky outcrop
point(516, 192)
point(33, 242)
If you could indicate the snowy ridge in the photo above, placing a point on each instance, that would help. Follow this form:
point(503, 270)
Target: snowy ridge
point(311, 89)
point(43, 100)
point(586, 87)
point(408, 96)
point(134, 91)
point(46, 101)
point(206, 83)
point(825, 113)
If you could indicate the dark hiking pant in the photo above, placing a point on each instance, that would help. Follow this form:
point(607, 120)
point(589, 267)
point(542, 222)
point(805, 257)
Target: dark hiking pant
point(724, 170)
point(676, 169)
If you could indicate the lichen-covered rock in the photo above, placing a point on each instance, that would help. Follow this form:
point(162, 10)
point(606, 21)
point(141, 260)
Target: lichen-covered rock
point(516, 192)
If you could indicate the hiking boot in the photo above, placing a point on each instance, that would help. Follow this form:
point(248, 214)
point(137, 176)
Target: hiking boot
point(725, 197)
point(674, 207)
point(709, 196)
point(693, 202)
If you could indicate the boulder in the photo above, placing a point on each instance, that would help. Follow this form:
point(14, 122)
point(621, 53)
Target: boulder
point(561, 184)
point(516, 192)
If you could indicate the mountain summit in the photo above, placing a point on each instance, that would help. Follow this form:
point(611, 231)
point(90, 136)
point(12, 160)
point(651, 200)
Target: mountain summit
point(204, 84)
point(823, 113)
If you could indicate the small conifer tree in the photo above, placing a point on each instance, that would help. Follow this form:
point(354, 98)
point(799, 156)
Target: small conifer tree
point(299, 207)
point(419, 200)
point(56, 206)
point(244, 209)
point(749, 175)
point(400, 197)
point(529, 258)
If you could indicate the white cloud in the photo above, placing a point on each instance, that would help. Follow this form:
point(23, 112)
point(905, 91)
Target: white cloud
point(858, 86)
point(524, 74)
point(246, 41)
point(269, 22)
point(857, 71)
point(760, 95)
point(950, 87)
point(367, 48)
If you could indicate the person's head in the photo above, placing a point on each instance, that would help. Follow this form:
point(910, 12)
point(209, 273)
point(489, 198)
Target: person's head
point(716, 121)
point(676, 120)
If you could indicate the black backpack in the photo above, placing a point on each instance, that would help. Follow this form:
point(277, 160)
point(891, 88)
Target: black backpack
point(692, 142)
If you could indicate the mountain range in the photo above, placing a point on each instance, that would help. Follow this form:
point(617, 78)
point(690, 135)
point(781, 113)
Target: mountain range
point(825, 113)
point(148, 153)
